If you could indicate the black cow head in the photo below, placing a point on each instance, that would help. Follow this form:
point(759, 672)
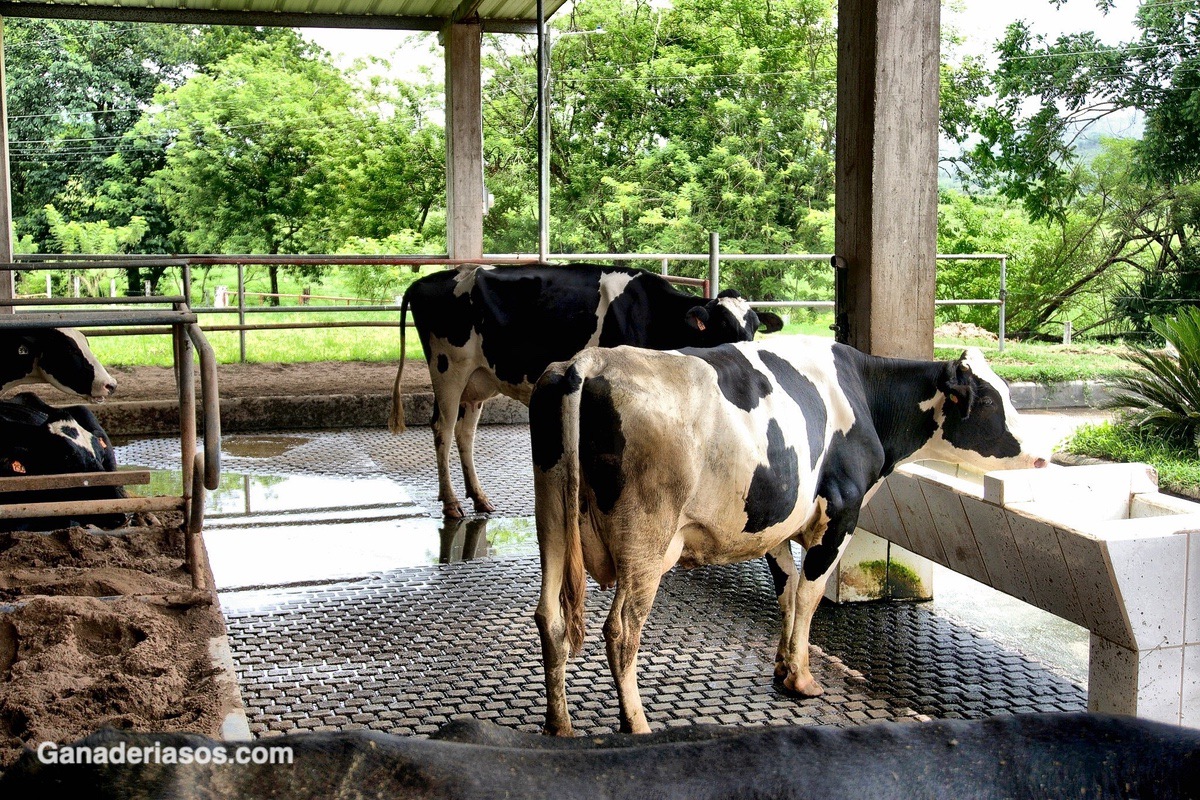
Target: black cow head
point(729, 318)
point(58, 356)
point(980, 423)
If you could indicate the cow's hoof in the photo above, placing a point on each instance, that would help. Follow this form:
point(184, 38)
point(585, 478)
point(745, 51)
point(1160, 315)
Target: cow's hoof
point(563, 733)
point(483, 505)
point(453, 510)
point(808, 688)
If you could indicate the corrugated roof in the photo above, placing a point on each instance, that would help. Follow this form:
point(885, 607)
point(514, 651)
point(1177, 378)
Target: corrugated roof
point(497, 15)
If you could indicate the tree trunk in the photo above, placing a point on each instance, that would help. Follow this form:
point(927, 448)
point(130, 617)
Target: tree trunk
point(273, 271)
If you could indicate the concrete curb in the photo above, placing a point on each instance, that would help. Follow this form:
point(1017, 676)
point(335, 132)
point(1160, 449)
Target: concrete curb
point(276, 413)
point(257, 414)
point(1068, 394)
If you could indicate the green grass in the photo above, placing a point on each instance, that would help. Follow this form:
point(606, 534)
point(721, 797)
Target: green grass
point(1043, 363)
point(1178, 466)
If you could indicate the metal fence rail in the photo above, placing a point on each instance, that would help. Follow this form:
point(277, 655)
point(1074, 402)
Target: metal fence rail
point(184, 263)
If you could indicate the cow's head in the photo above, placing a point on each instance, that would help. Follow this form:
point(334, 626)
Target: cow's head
point(729, 318)
point(977, 423)
point(62, 358)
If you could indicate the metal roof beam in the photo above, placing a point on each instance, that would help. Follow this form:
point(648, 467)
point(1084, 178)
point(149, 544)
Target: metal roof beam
point(190, 16)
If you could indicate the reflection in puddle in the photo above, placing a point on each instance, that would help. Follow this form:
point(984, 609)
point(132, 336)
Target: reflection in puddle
point(299, 529)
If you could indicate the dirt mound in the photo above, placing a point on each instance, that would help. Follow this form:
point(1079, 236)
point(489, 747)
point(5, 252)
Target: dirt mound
point(963, 330)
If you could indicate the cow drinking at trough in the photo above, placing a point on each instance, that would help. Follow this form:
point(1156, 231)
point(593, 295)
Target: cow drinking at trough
point(493, 330)
point(40, 439)
point(643, 460)
point(58, 356)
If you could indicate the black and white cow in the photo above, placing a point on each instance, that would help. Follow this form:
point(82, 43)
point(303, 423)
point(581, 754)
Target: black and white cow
point(492, 330)
point(40, 439)
point(644, 460)
point(58, 356)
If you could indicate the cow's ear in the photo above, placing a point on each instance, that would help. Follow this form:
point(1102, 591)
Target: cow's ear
point(697, 317)
point(959, 385)
point(729, 293)
point(769, 322)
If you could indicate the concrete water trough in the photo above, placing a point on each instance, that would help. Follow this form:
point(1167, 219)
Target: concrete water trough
point(1097, 545)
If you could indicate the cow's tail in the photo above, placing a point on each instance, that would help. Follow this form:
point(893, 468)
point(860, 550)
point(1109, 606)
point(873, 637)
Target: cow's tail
point(396, 416)
point(554, 415)
point(574, 588)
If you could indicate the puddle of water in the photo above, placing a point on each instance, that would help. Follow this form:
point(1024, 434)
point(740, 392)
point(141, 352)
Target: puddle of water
point(261, 446)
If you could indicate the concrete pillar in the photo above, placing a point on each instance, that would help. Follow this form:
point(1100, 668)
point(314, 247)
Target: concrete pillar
point(886, 186)
point(464, 140)
point(886, 180)
point(7, 279)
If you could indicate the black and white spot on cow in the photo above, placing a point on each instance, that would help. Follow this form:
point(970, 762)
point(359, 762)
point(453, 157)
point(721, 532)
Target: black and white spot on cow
point(740, 383)
point(773, 488)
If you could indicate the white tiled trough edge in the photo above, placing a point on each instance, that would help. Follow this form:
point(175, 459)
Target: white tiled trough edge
point(1097, 545)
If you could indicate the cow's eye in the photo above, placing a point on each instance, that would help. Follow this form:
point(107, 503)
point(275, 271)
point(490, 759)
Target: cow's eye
point(987, 401)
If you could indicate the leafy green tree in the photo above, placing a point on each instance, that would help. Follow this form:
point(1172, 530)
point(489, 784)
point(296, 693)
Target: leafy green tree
point(247, 167)
point(1127, 212)
point(74, 88)
point(669, 122)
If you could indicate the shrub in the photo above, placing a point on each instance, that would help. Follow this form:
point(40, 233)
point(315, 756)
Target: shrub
point(1163, 394)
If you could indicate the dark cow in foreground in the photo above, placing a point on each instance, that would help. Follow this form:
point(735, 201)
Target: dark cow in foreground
point(1022, 756)
point(58, 356)
point(646, 459)
point(492, 330)
point(40, 439)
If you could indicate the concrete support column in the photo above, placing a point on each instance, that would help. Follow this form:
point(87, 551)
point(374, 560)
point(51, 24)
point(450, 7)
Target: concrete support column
point(886, 180)
point(886, 226)
point(464, 140)
point(7, 279)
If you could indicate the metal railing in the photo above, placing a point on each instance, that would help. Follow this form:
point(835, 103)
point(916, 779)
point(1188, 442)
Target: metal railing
point(708, 286)
point(200, 464)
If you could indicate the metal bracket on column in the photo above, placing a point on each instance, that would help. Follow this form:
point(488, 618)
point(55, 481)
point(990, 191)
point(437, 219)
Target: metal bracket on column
point(841, 320)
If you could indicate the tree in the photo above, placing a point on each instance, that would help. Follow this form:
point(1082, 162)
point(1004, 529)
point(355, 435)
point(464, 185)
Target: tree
point(1126, 211)
point(247, 167)
point(668, 123)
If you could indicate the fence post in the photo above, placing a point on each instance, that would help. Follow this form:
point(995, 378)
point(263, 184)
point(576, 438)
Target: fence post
point(49, 285)
point(112, 287)
point(1067, 332)
point(1003, 299)
point(664, 267)
point(714, 263)
point(76, 282)
point(241, 275)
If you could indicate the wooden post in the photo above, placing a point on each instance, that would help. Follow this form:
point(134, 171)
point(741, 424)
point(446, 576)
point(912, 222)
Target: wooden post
point(886, 180)
point(464, 140)
point(8, 280)
point(885, 233)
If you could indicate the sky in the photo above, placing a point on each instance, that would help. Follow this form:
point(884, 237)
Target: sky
point(981, 21)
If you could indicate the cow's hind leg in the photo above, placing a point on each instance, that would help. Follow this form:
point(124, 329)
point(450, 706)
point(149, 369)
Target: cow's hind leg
point(464, 435)
point(551, 620)
point(636, 587)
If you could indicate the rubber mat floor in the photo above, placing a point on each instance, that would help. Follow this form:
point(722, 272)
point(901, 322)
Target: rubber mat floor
point(435, 621)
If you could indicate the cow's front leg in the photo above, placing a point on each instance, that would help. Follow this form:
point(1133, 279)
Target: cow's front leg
point(800, 592)
point(464, 435)
point(631, 604)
